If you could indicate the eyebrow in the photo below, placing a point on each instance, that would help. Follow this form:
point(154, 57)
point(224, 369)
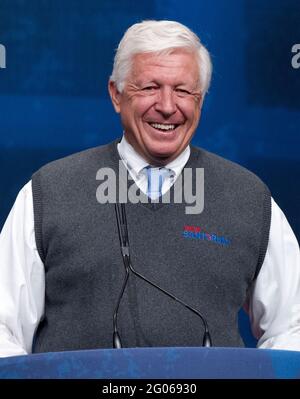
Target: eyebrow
point(184, 85)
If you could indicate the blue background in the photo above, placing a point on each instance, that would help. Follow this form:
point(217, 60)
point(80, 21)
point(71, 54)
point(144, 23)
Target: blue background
point(54, 99)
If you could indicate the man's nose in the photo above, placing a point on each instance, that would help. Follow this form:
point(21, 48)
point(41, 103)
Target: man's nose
point(166, 103)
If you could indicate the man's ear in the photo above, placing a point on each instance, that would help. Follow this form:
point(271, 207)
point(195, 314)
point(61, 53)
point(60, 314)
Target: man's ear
point(115, 96)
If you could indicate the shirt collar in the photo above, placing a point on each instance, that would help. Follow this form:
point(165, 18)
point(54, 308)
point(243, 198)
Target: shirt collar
point(136, 163)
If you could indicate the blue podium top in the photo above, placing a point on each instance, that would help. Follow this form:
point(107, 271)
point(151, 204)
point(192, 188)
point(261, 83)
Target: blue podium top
point(155, 363)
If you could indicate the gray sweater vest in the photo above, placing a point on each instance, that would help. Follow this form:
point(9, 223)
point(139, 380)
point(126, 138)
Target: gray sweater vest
point(209, 260)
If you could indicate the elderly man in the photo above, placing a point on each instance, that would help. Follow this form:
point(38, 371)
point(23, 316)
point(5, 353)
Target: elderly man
point(61, 271)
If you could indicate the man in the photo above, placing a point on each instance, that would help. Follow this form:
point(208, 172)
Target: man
point(61, 267)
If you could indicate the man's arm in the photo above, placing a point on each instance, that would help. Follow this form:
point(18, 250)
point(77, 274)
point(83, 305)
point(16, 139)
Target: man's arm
point(274, 302)
point(22, 279)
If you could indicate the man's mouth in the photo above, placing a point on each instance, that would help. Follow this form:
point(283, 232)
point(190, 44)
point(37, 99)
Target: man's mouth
point(163, 127)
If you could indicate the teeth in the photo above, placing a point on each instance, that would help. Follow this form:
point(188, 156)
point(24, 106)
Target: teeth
point(162, 127)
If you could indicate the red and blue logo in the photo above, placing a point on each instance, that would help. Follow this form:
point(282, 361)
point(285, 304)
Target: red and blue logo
point(197, 233)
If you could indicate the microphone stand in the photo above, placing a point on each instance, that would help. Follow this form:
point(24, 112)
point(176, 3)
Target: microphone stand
point(124, 244)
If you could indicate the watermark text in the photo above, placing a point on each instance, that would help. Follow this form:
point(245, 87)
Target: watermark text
point(2, 56)
point(120, 187)
point(296, 58)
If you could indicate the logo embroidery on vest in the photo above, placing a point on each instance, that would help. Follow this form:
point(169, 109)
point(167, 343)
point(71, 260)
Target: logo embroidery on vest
point(197, 233)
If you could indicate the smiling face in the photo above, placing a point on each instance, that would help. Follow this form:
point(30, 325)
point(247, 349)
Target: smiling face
point(160, 105)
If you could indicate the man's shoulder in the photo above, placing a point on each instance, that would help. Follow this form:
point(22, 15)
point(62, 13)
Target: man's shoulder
point(225, 169)
point(79, 160)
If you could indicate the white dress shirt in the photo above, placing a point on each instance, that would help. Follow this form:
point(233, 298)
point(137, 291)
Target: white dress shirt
point(273, 303)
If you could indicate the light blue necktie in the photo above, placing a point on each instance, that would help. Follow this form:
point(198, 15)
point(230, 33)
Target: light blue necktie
point(156, 177)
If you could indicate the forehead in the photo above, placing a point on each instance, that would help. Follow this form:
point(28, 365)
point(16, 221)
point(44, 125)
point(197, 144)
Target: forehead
point(179, 65)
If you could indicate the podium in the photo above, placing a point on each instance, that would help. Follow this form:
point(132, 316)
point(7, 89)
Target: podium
point(155, 363)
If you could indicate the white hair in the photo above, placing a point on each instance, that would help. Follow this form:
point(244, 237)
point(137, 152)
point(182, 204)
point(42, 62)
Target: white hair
point(159, 37)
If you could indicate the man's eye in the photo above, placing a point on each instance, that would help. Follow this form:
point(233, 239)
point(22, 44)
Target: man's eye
point(182, 91)
point(149, 88)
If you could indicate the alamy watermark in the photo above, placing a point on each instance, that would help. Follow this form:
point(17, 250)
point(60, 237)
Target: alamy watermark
point(296, 58)
point(2, 56)
point(120, 187)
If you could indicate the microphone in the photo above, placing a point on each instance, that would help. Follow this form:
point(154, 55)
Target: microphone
point(125, 251)
point(124, 244)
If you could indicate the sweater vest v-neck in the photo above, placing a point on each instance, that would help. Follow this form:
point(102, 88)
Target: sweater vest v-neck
point(208, 260)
